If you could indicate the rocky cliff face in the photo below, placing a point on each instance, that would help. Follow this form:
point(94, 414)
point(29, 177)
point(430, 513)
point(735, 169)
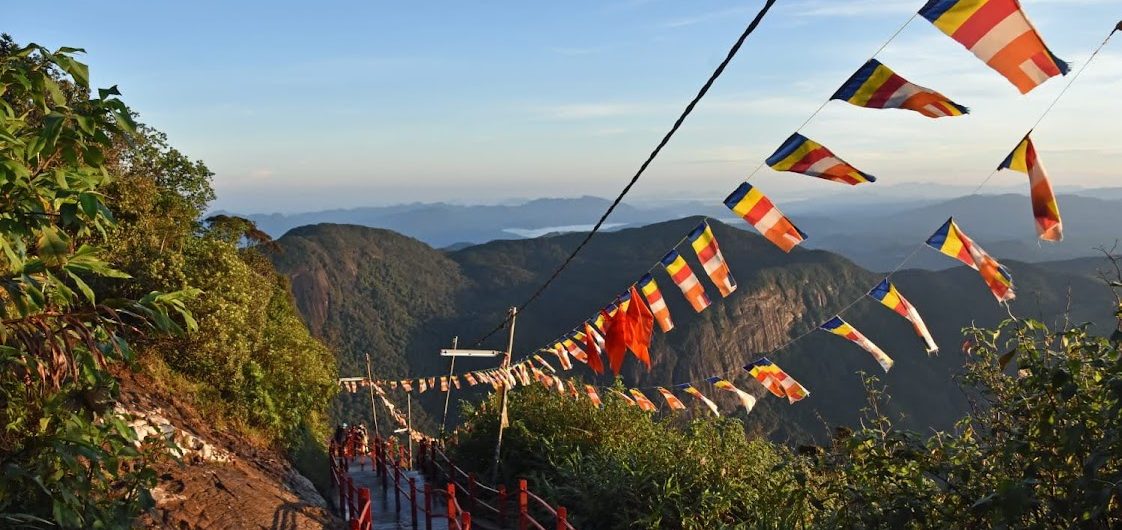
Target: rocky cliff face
point(367, 290)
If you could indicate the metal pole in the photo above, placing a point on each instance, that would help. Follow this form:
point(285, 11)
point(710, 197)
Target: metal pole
point(409, 421)
point(502, 407)
point(370, 380)
point(448, 394)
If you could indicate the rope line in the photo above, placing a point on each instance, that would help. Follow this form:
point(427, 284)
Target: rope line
point(642, 168)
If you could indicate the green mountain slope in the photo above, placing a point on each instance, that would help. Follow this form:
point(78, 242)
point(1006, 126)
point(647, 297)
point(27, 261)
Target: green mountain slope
point(365, 289)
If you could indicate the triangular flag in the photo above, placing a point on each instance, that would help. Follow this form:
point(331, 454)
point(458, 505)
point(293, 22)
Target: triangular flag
point(592, 346)
point(876, 86)
point(746, 399)
point(642, 401)
point(642, 326)
point(886, 294)
point(839, 327)
point(689, 389)
point(800, 154)
point(671, 399)
point(704, 243)
point(952, 241)
point(1049, 226)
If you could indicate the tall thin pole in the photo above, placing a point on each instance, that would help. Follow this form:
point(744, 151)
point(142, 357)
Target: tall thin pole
point(370, 381)
point(502, 408)
point(448, 394)
point(409, 423)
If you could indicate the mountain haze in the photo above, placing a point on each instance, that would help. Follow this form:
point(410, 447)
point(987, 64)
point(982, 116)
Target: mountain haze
point(370, 290)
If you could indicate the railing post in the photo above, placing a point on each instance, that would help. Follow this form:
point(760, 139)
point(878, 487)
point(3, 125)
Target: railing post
point(397, 489)
point(562, 518)
point(466, 524)
point(342, 498)
point(451, 503)
point(364, 506)
point(350, 498)
point(428, 506)
point(383, 468)
point(502, 505)
point(413, 499)
point(432, 456)
point(523, 504)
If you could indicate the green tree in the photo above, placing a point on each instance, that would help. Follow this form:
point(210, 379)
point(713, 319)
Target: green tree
point(66, 457)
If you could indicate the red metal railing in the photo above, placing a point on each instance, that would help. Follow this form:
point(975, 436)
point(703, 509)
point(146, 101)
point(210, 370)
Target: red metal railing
point(391, 467)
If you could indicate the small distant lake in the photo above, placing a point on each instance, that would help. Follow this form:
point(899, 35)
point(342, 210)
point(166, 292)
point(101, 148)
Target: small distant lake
point(531, 233)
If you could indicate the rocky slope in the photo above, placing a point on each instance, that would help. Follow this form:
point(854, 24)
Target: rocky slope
point(216, 480)
point(368, 290)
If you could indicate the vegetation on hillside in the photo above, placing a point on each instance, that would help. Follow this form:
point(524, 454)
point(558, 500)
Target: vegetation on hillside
point(101, 242)
point(1042, 448)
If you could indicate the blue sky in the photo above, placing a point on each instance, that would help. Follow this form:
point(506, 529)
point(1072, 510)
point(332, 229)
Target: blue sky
point(310, 105)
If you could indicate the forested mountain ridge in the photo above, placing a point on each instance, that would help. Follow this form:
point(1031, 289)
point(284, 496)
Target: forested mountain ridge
point(401, 301)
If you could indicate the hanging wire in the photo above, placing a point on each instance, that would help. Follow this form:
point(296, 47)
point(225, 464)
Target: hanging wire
point(642, 168)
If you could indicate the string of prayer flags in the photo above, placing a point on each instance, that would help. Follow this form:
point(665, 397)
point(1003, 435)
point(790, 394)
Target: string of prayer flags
point(684, 277)
point(689, 389)
point(776, 380)
point(641, 400)
point(592, 395)
point(746, 399)
point(841, 328)
point(998, 33)
point(704, 243)
point(593, 345)
point(642, 328)
point(800, 154)
point(671, 400)
point(952, 241)
point(1049, 227)
point(654, 298)
point(885, 293)
point(749, 203)
point(876, 86)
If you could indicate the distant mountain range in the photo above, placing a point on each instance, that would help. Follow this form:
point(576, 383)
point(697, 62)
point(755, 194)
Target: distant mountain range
point(372, 290)
point(875, 229)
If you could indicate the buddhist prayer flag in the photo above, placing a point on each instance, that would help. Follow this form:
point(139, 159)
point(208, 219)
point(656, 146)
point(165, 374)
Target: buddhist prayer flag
point(443, 383)
point(624, 396)
point(654, 298)
point(671, 400)
point(885, 292)
point(800, 154)
point(1044, 207)
point(776, 380)
point(523, 374)
point(876, 86)
point(570, 344)
point(471, 379)
point(998, 33)
point(593, 345)
point(562, 356)
point(407, 385)
point(689, 389)
point(950, 240)
point(544, 364)
point(642, 401)
point(592, 395)
point(839, 327)
point(746, 399)
point(423, 385)
point(393, 385)
point(432, 382)
point(456, 381)
point(642, 327)
point(748, 202)
point(573, 389)
point(617, 330)
point(684, 277)
point(704, 243)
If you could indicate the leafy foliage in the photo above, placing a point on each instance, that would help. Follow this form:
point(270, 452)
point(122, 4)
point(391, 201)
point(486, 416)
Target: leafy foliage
point(65, 455)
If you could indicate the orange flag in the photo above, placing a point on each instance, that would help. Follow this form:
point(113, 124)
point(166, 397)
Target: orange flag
point(592, 349)
point(616, 332)
point(642, 326)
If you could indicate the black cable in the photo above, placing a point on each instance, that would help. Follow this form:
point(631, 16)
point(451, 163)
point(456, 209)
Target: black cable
point(665, 140)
